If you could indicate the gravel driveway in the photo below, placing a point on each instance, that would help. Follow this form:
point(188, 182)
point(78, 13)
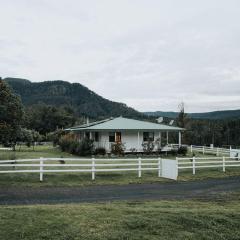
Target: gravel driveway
point(202, 189)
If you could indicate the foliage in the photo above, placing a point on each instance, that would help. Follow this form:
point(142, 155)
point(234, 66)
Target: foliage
point(148, 146)
point(100, 151)
point(70, 144)
point(117, 148)
point(45, 119)
point(55, 136)
point(183, 150)
point(75, 95)
point(11, 116)
point(28, 136)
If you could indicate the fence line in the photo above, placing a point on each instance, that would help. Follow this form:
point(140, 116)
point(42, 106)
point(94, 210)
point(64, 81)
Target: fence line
point(215, 162)
point(211, 150)
point(90, 166)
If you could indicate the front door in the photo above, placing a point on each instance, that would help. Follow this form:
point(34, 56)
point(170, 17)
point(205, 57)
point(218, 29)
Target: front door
point(118, 138)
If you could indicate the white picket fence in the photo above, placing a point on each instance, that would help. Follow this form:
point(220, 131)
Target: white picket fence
point(209, 150)
point(207, 162)
point(163, 167)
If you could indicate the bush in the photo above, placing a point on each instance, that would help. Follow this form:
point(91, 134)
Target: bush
point(148, 146)
point(100, 151)
point(182, 150)
point(118, 148)
point(84, 147)
point(68, 143)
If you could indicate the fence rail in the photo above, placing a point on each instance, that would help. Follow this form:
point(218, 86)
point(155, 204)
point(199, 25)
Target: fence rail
point(209, 162)
point(209, 150)
point(91, 165)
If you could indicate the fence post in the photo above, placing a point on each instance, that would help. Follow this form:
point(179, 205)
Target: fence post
point(93, 168)
point(217, 152)
point(193, 165)
point(203, 150)
point(191, 148)
point(223, 164)
point(159, 167)
point(139, 167)
point(41, 169)
point(177, 165)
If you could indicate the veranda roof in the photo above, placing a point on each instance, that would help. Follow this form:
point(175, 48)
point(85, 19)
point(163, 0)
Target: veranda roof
point(121, 123)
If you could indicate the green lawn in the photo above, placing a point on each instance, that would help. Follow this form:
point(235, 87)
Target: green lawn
point(151, 220)
point(37, 152)
point(82, 179)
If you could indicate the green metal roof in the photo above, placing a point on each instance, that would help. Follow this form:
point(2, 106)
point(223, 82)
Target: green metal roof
point(121, 123)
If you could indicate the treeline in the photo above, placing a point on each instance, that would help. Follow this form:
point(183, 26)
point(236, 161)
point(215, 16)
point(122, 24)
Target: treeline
point(39, 122)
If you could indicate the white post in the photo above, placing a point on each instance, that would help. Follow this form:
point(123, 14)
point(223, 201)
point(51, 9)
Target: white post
point(41, 169)
point(160, 139)
point(193, 165)
point(159, 167)
point(223, 164)
point(90, 135)
point(203, 150)
point(177, 166)
point(191, 148)
point(93, 168)
point(217, 151)
point(179, 139)
point(138, 142)
point(167, 137)
point(139, 167)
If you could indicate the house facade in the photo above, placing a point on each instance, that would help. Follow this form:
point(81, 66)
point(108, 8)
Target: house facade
point(132, 134)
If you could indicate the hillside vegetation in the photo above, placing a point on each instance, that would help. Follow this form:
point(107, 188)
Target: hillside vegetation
point(207, 115)
point(65, 94)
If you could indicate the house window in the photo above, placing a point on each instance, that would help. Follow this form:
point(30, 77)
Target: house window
point(112, 137)
point(148, 136)
point(96, 136)
point(87, 135)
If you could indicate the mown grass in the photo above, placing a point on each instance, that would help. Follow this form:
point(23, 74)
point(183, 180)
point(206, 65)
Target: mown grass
point(152, 220)
point(83, 179)
point(37, 152)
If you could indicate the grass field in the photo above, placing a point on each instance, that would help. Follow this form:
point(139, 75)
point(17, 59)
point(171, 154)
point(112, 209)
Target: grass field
point(151, 220)
point(82, 179)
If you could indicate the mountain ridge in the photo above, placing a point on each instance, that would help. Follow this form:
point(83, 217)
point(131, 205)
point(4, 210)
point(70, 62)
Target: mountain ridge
point(221, 114)
point(75, 95)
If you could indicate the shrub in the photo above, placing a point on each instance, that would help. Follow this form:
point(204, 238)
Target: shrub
point(100, 151)
point(117, 148)
point(84, 147)
point(148, 146)
point(182, 150)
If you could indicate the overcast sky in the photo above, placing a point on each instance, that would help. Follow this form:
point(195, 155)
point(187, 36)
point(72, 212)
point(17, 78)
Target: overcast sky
point(150, 54)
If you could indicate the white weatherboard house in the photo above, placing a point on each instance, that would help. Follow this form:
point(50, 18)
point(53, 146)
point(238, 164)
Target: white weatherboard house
point(131, 133)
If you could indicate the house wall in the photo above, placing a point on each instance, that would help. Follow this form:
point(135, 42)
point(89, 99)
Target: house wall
point(129, 139)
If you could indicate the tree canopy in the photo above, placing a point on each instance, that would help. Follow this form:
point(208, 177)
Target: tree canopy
point(11, 113)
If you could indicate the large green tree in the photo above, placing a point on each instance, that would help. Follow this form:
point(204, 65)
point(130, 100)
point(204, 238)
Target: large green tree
point(11, 114)
point(45, 119)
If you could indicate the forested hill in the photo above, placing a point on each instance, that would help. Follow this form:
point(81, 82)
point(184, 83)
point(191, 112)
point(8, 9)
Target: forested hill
point(60, 93)
point(207, 115)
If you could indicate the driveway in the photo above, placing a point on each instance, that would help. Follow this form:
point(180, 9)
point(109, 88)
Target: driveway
point(202, 189)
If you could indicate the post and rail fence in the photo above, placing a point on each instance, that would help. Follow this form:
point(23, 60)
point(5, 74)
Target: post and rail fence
point(167, 168)
point(209, 150)
point(90, 165)
point(195, 163)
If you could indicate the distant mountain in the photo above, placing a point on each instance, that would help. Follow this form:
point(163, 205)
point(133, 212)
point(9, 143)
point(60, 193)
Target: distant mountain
point(207, 115)
point(60, 93)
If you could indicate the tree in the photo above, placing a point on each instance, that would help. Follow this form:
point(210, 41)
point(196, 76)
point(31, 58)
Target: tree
point(45, 119)
point(182, 116)
point(11, 114)
point(182, 120)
